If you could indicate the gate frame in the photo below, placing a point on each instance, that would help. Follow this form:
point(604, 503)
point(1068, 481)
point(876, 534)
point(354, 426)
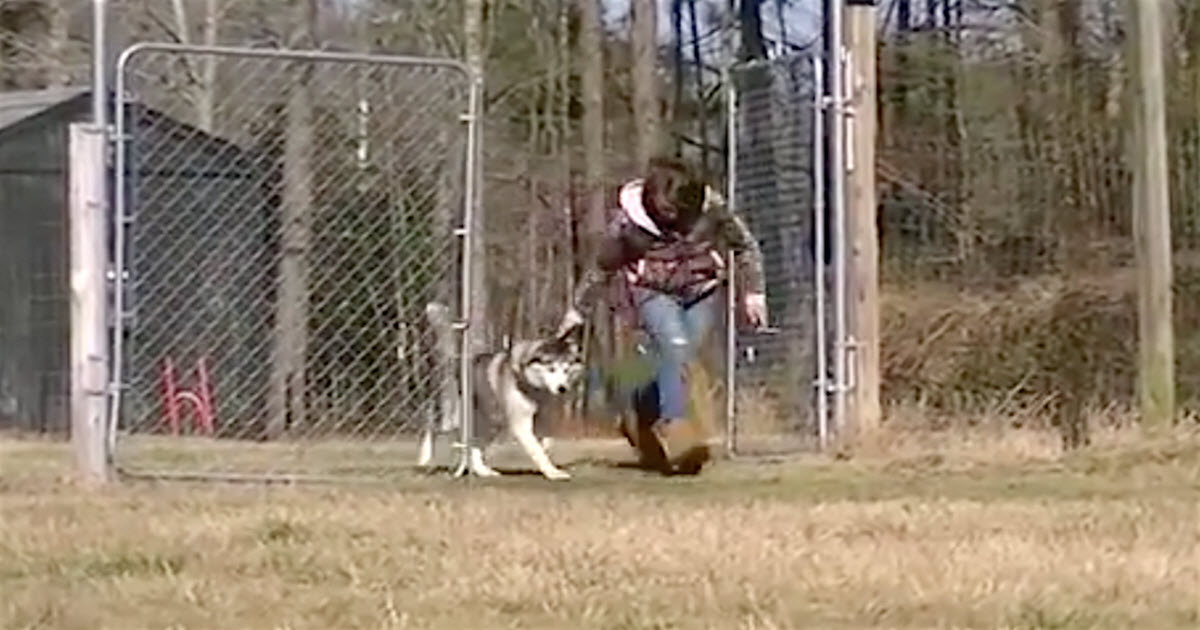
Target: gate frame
point(822, 384)
point(121, 219)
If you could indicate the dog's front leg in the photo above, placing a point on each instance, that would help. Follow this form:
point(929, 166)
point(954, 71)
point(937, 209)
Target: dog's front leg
point(522, 431)
point(425, 451)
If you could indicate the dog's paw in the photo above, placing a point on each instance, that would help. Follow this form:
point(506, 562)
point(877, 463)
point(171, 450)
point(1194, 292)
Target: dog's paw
point(485, 472)
point(479, 468)
point(556, 474)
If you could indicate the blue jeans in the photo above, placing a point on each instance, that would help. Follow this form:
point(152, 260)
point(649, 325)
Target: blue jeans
point(676, 332)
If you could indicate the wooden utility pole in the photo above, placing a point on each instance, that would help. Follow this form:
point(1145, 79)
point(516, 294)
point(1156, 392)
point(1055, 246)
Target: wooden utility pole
point(1152, 217)
point(863, 408)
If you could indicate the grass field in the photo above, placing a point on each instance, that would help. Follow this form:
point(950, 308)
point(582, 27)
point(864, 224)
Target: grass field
point(1002, 532)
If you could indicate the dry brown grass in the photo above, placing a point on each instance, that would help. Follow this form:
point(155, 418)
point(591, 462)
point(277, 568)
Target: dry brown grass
point(949, 534)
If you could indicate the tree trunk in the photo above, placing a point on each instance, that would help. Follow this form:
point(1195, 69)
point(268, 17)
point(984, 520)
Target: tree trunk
point(203, 82)
point(288, 375)
point(58, 72)
point(207, 97)
point(182, 30)
point(750, 19)
point(677, 69)
point(701, 100)
point(564, 151)
point(955, 171)
point(894, 109)
point(591, 54)
point(643, 17)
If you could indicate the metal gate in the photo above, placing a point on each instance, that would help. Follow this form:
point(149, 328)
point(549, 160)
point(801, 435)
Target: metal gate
point(776, 181)
point(282, 221)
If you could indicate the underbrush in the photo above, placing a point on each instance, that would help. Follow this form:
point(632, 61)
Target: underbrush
point(1029, 349)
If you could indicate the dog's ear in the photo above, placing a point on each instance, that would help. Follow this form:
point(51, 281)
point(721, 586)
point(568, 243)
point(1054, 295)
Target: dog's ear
point(509, 324)
point(570, 339)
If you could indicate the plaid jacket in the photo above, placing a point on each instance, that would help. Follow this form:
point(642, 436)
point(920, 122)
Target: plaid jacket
point(685, 263)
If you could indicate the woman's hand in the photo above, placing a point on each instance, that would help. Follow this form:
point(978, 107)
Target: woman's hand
point(756, 310)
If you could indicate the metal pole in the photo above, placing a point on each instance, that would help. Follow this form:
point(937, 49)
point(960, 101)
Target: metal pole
point(731, 358)
point(837, 186)
point(731, 113)
point(466, 408)
point(99, 59)
point(118, 225)
point(100, 119)
point(819, 170)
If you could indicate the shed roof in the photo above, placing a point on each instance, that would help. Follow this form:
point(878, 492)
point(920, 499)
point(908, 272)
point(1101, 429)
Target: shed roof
point(19, 105)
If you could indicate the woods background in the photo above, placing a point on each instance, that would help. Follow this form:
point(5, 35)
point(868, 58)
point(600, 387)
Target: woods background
point(1004, 185)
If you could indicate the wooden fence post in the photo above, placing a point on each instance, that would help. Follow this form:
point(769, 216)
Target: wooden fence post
point(88, 226)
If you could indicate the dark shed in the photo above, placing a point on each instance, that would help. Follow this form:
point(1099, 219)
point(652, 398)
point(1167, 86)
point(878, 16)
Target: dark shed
point(34, 262)
point(33, 256)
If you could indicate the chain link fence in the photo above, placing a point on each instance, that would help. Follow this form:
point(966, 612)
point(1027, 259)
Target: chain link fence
point(773, 179)
point(284, 220)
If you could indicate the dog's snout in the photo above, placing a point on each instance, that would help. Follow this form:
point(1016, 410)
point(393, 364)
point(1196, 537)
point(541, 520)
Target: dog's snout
point(562, 389)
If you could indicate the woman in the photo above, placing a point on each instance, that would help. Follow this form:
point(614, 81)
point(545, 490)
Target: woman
point(667, 240)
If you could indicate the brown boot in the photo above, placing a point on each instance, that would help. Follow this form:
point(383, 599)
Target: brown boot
point(627, 425)
point(684, 444)
point(644, 442)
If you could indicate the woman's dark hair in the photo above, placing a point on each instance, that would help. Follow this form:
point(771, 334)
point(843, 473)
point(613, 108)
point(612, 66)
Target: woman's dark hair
point(671, 190)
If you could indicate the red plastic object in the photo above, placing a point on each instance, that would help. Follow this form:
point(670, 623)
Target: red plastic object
point(200, 397)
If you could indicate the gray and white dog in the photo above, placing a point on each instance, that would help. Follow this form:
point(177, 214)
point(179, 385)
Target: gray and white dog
point(512, 387)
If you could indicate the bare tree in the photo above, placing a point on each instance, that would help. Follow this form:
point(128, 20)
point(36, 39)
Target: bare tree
point(591, 55)
point(198, 83)
point(57, 41)
point(750, 20)
point(644, 20)
point(701, 96)
point(288, 374)
point(207, 96)
point(677, 70)
point(564, 141)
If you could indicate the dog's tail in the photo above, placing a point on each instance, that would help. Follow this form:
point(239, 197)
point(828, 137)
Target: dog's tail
point(438, 315)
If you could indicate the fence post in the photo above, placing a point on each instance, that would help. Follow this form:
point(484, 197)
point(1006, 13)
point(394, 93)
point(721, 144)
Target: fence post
point(837, 157)
point(87, 218)
point(1152, 218)
point(863, 403)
